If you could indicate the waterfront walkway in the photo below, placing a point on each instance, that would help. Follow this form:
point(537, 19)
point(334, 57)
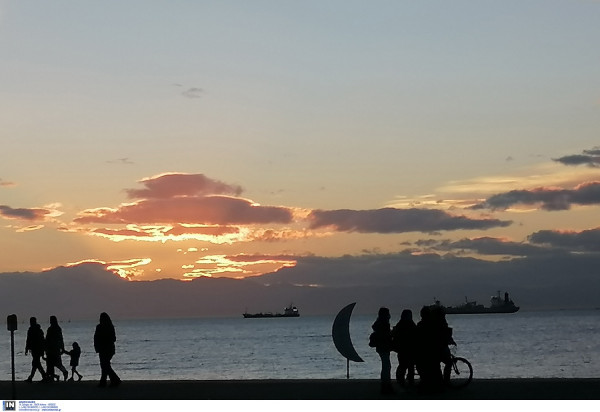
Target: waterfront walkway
point(344, 389)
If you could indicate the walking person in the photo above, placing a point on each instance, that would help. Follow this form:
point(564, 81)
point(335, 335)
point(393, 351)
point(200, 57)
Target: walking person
point(383, 346)
point(104, 345)
point(35, 345)
point(55, 347)
point(404, 343)
point(75, 354)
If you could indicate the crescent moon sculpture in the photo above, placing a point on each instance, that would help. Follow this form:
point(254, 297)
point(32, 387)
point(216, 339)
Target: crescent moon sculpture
point(340, 333)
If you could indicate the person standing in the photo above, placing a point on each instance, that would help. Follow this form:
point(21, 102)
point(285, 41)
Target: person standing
point(35, 345)
point(404, 343)
point(104, 345)
point(429, 351)
point(444, 335)
point(55, 347)
point(383, 346)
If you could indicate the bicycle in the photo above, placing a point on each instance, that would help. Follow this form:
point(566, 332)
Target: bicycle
point(461, 371)
point(459, 375)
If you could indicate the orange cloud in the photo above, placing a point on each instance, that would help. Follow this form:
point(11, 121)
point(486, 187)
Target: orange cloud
point(162, 233)
point(211, 210)
point(168, 185)
point(179, 230)
point(30, 228)
point(273, 235)
point(261, 258)
point(127, 269)
point(238, 265)
point(185, 200)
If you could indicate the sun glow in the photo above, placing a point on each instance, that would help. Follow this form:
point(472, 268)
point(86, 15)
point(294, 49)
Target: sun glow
point(127, 269)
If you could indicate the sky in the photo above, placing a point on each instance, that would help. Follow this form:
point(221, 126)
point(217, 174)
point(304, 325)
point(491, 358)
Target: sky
point(185, 139)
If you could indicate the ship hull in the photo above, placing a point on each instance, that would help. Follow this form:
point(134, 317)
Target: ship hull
point(269, 315)
point(498, 305)
point(289, 312)
point(475, 311)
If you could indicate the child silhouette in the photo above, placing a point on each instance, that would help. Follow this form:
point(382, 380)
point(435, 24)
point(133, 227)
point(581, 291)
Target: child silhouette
point(75, 353)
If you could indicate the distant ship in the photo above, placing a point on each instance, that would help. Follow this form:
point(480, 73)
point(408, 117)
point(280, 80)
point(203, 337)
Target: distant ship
point(498, 305)
point(288, 312)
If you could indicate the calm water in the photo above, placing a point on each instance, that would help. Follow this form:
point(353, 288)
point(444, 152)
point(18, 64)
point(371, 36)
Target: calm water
point(527, 344)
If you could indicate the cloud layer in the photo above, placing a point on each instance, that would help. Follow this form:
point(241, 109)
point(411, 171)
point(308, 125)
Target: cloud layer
point(390, 220)
point(208, 210)
point(549, 199)
point(587, 240)
point(203, 213)
point(483, 246)
point(29, 214)
point(589, 158)
point(192, 199)
point(553, 198)
point(170, 185)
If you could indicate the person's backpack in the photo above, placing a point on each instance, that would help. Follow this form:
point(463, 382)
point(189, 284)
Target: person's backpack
point(373, 340)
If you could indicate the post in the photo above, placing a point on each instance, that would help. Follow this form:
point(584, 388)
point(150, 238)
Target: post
point(347, 368)
point(12, 361)
point(11, 325)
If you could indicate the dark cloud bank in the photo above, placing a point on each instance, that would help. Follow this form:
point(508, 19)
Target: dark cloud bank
point(32, 214)
point(390, 220)
point(550, 199)
point(318, 286)
point(589, 158)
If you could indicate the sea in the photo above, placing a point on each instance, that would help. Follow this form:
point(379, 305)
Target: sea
point(561, 344)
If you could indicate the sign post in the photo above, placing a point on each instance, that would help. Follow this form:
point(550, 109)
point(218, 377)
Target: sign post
point(11, 325)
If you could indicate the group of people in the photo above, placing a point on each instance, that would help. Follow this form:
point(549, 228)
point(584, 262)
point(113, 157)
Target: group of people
point(423, 346)
point(51, 347)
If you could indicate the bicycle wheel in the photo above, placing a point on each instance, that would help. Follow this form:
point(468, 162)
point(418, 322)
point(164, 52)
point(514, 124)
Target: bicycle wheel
point(461, 373)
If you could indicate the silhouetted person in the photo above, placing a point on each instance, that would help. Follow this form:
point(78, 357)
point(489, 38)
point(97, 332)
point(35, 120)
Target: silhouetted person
point(383, 346)
point(35, 345)
point(404, 343)
point(74, 353)
point(104, 344)
point(444, 336)
point(428, 352)
point(55, 347)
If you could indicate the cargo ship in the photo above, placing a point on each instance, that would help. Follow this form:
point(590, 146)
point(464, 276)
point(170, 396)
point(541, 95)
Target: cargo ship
point(288, 312)
point(497, 305)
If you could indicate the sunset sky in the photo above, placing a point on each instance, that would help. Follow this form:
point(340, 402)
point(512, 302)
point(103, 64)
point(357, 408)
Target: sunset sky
point(178, 139)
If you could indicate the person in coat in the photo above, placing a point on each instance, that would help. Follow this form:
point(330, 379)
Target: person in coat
point(383, 346)
point(404, 343)
point(35, 344)
point(104, 345)
point(55, 347)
